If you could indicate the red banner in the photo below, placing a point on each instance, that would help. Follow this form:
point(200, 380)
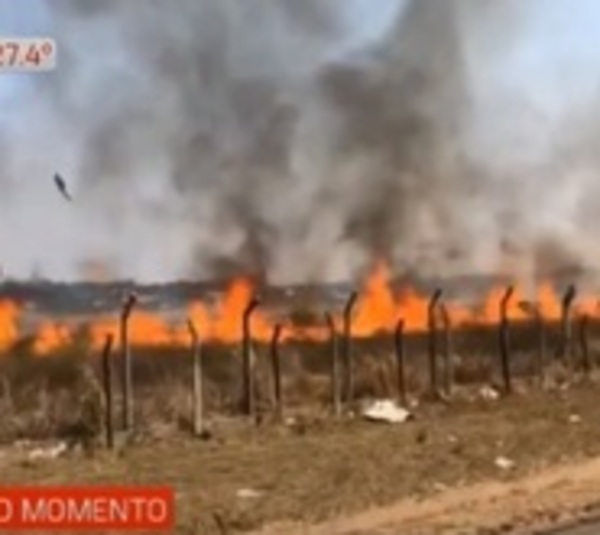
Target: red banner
point(115, 508)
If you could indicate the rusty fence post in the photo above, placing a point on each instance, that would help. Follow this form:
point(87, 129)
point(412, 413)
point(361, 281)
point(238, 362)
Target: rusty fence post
point(248, 387)
point(335, 367)
point(447, 350)
point(584, 324)
point(565, 343)
point(197, 380)
point(504, 340)
point(432, 342)
point(348, 360)
point(276, 370)
point(400, 347)
point(108, 392)
point(126, 372)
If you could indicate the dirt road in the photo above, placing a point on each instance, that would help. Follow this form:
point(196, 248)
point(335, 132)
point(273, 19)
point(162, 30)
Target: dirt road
point(554, 497)
point(587, 529)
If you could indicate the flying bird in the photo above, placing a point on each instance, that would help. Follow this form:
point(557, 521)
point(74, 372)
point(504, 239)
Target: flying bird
point(62, 187)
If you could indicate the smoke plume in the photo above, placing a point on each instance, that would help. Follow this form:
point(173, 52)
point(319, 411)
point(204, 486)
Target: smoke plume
point(299, 141)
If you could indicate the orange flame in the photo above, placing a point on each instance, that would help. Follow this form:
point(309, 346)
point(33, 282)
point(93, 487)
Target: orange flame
point(51, 337)
point(377, 310)
point(9, 332)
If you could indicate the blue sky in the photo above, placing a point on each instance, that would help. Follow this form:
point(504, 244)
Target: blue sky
point(369, 19)
point(556, 58)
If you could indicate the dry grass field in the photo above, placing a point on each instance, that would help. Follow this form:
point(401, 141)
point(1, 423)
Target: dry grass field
point(318, 469)
point(245, 475)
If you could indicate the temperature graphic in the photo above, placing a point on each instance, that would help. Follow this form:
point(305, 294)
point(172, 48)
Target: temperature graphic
point(27, 54)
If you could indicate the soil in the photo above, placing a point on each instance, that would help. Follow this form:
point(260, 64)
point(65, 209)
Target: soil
point(566, 496)
point(529, 461)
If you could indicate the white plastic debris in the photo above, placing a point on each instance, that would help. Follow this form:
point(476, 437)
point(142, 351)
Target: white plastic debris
point(574, 419)
point(386, 410)
point(290, 421)
point(51, 452)
point(452, 439)
point(248, 494)
point(504, 463)
point(488, 393)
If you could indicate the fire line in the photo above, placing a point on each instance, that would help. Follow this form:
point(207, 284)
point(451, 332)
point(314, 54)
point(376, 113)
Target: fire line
point(377, 310)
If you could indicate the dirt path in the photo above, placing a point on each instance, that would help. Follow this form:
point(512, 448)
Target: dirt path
point(588, 529)
point(557, 496)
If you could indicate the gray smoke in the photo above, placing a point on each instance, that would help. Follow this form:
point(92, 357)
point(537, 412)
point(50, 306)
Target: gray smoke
point(293, 141)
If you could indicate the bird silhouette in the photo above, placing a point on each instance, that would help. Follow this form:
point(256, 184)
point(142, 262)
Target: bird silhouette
point(62, 187)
